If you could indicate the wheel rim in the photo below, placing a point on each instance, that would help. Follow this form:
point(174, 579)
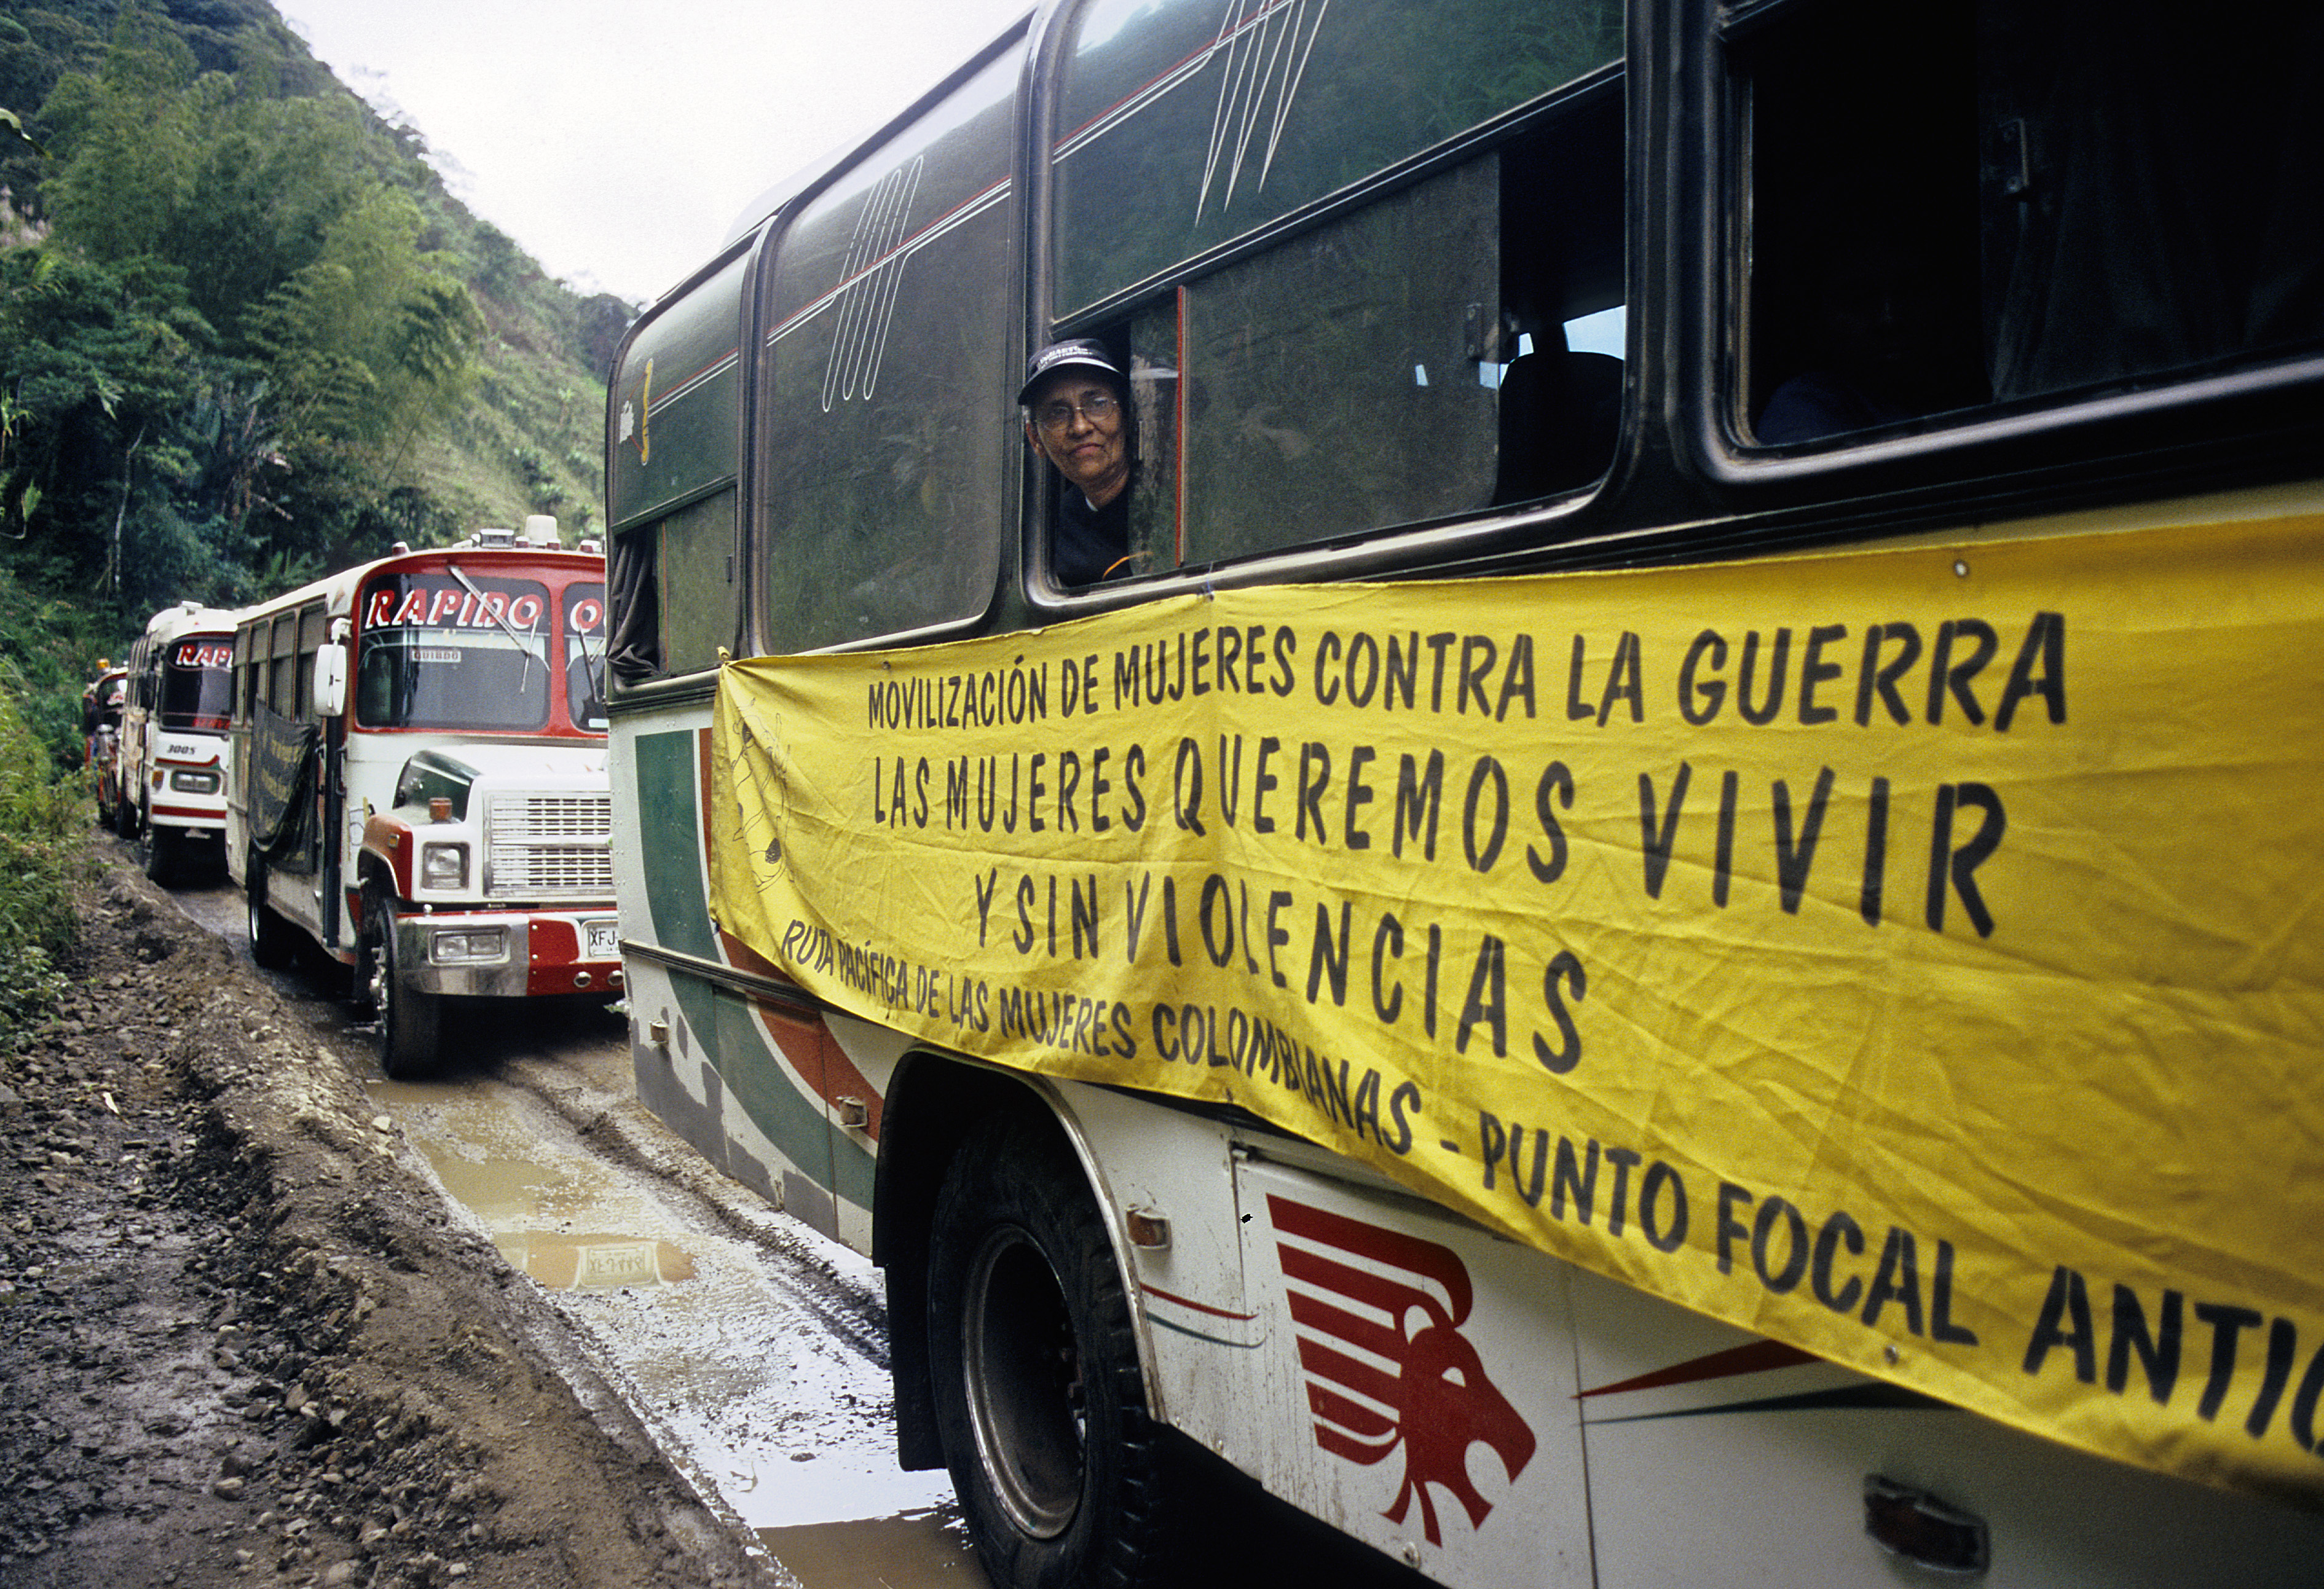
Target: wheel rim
point(1025, 1401)
point(382, 977)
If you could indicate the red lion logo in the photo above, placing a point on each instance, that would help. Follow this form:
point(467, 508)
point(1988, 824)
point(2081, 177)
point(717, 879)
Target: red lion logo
point(1436, 1399)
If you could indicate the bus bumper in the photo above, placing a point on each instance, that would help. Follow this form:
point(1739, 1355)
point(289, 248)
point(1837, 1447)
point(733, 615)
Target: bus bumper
point(508, 954)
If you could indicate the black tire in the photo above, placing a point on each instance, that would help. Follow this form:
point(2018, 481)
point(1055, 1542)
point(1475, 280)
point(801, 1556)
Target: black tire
point(124, 814)
point(271, 944)
point(157, 851)
point(411, 1020)
point(1039, 1400)
point(363, 976)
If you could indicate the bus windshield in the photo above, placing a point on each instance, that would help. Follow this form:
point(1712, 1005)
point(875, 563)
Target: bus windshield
point(197, 683)
point(585, 655)
point(441, 650)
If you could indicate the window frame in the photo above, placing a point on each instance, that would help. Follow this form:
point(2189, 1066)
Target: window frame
point(2067, 431)
point(1487, 532)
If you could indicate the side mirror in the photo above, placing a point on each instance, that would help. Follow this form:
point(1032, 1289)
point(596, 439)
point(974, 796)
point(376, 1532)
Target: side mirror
point(331, 679)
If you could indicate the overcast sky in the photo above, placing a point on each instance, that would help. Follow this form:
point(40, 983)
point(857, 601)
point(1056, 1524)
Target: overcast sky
point(616, 141)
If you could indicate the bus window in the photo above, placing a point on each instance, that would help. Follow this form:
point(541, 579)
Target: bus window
point(433, 655)
point(282, 665)
point(314, 630)
point(197, 683)
point(585, 655)
point(884, 394)
point(1184, 124)
point(2056, 197)
point(1401, 360)
point(1329, 382)
point(690, 552)
point(1155, 542)
point(677, 400)
point(1560, 388)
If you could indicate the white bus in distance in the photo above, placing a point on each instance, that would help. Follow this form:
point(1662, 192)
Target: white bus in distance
point(171, 764)
point(421, 787)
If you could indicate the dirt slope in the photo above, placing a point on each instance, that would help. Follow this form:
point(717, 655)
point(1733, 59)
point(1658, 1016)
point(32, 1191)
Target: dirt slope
point(239, 1341)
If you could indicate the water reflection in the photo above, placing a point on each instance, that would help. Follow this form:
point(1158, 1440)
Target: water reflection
point(579, 1263)
point(918, 1548)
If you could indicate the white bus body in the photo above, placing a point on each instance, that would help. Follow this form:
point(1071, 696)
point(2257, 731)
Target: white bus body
point(172, 756)
point(421, 790)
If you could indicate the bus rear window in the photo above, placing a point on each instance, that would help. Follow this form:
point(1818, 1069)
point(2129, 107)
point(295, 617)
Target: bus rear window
point(197, 683)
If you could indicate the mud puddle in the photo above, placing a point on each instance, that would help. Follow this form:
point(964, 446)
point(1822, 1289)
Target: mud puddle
point(788, 1420)
point(756, 1355)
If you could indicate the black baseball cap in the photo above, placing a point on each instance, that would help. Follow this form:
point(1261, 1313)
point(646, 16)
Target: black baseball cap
point(1081, 353)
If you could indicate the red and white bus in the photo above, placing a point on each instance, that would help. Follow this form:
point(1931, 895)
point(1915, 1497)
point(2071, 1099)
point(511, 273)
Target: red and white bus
point(172, 756)
point(102, 704)
point(420, 779)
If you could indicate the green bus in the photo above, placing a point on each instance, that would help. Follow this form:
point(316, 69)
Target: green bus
point(1653, 918)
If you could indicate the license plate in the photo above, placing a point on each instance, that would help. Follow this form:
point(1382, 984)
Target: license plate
point(604, 940)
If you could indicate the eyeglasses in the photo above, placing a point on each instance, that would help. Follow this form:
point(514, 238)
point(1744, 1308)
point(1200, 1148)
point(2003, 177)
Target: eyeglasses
point(1057, 416)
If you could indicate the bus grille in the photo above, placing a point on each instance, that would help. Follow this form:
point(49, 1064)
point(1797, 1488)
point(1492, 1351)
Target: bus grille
point(539, 845)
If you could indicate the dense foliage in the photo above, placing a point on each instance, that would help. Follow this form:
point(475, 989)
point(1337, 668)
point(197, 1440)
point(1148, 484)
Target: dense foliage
point(246, 335)
point(245, 338)
point(43, 815)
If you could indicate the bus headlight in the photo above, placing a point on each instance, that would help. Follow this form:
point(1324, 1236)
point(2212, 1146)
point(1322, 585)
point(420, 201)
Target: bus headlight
point(194, 783)
point(477, 945)
point(443, 865)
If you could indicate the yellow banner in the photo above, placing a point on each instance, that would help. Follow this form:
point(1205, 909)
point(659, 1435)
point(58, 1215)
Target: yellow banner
point(1913, 955)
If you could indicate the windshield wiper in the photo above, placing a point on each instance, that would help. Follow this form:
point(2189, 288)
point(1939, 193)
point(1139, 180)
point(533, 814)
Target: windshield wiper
point(498, 617)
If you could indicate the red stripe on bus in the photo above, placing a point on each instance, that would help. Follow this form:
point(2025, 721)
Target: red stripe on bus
point(1757, 1357)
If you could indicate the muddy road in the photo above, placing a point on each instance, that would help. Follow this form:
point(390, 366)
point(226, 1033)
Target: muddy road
point(754, 1350)
point(266, 1317)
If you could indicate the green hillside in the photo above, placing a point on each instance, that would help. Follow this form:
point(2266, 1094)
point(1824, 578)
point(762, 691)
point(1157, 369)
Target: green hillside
point(247, 337)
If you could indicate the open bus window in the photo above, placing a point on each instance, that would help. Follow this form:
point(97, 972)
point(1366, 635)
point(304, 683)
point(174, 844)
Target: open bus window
point(1561, 323)
point(690, 552)
point(2055, 196)
point(634, 647)
point(1454, 344)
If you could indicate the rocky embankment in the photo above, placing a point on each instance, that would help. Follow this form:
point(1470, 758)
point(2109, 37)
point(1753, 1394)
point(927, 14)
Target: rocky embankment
point(242, 1344)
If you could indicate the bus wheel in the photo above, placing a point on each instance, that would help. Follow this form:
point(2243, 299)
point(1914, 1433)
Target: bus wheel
point(271, 944)
point(157, 851)
point(125, 817)
point(1039, 1399)
point(410, 1018)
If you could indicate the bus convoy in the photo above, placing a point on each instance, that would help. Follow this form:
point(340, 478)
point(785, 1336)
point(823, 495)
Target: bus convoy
point(1652, 921)
point(408, 776)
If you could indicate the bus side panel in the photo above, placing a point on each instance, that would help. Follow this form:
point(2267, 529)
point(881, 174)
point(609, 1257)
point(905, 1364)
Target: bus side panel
point(750, 1085)
point(1716, 1455)
point(1415, 1382)
point(1197, 1327)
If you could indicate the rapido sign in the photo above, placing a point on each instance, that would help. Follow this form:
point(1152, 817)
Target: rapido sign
point(1908, 954)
